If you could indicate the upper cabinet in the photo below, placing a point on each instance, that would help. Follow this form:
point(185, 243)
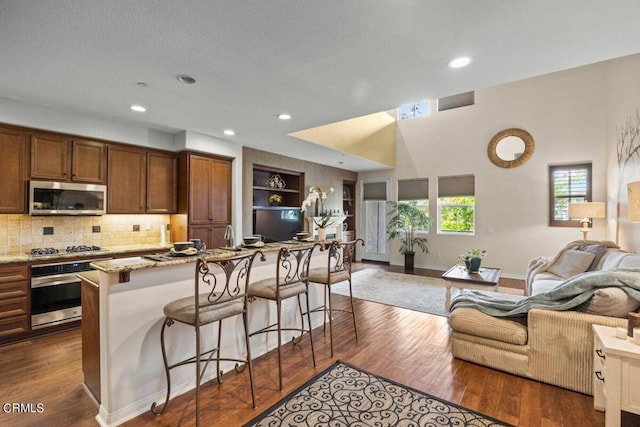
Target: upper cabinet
point(162, 178)
point(13, 171)
point(269, 182)
point(204, 199)
point(59, 158)
point(141, 181)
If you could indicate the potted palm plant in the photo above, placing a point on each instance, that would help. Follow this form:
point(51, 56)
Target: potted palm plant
point(405, 218)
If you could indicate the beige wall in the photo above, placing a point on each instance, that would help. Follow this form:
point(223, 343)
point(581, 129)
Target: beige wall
point(623, 113)
point(315, 174)
point(565, 112)
point(21, 233)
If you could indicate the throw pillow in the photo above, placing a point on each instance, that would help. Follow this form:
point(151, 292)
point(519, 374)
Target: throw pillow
point(597, 251)
point(571, 263)
point(611, 301)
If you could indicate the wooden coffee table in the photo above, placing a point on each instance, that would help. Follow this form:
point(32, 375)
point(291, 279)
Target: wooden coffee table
point(458, 277)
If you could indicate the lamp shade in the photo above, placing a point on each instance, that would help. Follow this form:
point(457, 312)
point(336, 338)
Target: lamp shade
point(633, 190)
point(586, 210)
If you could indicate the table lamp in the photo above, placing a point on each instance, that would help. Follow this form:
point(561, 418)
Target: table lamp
point(586, 211)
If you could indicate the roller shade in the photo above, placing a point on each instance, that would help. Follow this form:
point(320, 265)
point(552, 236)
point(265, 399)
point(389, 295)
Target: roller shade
point(413, 189)
point(456, 186)
point(374, 191)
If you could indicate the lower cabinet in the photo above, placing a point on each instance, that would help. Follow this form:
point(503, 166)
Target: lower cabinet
point(14, 300)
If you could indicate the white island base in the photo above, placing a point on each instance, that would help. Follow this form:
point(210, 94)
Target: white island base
point(132, 374)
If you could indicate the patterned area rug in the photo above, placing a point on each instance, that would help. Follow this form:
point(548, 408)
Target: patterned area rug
point(425, 294)
point(344, 395)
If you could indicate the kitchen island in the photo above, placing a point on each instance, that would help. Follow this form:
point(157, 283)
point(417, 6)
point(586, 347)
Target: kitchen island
point(132, 293)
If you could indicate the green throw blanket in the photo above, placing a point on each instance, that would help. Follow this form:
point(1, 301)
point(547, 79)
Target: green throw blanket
point(568, 295)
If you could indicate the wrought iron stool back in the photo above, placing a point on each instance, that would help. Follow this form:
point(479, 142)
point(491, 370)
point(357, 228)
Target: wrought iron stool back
point(220, 292)
point(292, 269)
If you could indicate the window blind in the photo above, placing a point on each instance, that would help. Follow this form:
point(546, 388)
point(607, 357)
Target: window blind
point(456, 186)
point(374, 191)
point(413, 189)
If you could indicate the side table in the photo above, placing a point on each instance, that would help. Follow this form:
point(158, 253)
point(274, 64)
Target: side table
point(616, 375)
point(458, 277)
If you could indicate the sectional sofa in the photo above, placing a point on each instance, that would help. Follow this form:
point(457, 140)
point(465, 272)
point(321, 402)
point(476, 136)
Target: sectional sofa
point(554, 347)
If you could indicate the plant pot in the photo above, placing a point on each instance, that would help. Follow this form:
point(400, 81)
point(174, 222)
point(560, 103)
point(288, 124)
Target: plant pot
point(473, 265)
point(408, 260)
point(322, 234)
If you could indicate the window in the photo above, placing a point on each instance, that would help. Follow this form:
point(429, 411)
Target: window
point(567, 184)
point(415, 192)
point(456, 204)
point(418, 109)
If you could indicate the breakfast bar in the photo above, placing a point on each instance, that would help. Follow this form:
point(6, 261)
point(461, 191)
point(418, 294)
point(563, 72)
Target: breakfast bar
point(131, 295)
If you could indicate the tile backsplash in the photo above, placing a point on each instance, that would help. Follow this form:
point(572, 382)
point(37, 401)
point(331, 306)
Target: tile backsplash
point(20, 233)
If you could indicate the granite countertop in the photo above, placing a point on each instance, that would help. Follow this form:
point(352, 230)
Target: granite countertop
point(163, 259)
point(121, 249)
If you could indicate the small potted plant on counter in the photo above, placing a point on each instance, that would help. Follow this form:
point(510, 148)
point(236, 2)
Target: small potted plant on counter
point(472, 259)
point(405, 219)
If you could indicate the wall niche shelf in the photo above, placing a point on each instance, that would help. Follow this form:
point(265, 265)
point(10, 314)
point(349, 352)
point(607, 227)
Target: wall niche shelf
point(349, 209)
point(291, 193)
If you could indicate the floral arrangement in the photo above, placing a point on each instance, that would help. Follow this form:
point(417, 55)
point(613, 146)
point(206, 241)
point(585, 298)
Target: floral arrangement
point(470, 254)
point(318, 195)
point(275, 198)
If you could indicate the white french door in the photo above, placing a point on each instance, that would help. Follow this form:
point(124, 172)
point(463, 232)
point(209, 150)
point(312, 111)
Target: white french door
point(374, 220)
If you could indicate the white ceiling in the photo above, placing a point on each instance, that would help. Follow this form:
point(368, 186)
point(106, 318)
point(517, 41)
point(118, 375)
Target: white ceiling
point(321, 61)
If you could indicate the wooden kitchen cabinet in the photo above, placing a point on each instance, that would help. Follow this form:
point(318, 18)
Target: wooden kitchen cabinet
point(162, 181)
point(90, 295)
point(60, 158)
point(205, 197)
point(141, 181)
point(126, 187)
point(14, 300)
point(13, 171)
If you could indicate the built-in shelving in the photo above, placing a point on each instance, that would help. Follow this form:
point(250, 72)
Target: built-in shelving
point(263, 187)
point(349, 208)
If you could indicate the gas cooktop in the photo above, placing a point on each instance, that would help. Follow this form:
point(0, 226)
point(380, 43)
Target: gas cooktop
point(69, 249)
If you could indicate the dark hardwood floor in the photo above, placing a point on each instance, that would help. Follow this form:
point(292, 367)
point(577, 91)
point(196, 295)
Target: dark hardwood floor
point(406, 346)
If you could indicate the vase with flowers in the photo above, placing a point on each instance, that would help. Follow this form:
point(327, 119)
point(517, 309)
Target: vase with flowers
point(472, 259)
point(317, 196)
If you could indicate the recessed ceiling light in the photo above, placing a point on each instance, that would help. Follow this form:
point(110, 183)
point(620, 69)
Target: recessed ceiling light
point(188, 80)
point(460, 62)
point(229, 132)
point(138, 108)
point(284, 116)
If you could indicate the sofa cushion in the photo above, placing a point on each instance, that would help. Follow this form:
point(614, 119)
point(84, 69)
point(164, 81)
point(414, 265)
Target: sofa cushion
point(613, 302)
point(474, 322)
point(597, 251)
point(571, 263)
point(540, 286)
point(612, 259)
point(631, 260)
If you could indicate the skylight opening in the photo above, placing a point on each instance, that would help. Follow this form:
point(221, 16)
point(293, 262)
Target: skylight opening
point(417, 109)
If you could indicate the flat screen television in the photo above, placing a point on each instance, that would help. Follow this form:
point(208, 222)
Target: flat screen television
point(277, 224)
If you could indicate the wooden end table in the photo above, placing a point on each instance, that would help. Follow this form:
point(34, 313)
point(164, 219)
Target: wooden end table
point(458, 277)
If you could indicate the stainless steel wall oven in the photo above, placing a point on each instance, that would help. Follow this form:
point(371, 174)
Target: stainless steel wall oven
point(55, 293)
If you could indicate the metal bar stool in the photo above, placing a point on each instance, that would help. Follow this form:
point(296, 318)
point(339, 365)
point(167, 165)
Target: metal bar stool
point(292, 268)
point(220, 300)
point(338, 269)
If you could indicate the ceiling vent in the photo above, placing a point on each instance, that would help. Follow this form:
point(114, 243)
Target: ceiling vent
point(456, 101)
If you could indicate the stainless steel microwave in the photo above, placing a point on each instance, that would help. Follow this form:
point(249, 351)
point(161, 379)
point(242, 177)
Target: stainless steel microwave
point(66, 198)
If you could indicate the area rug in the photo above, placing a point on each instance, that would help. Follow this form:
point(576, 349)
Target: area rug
point(419, 293)
point(344, 395)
